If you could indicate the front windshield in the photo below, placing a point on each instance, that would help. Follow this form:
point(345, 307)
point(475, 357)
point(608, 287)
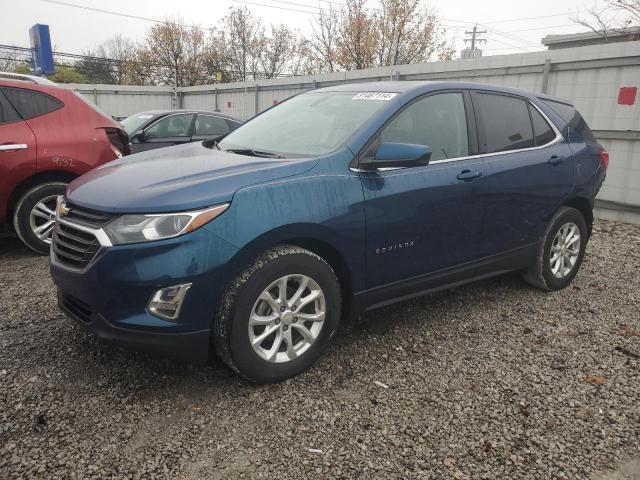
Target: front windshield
point(308, 125)
point(133, 123)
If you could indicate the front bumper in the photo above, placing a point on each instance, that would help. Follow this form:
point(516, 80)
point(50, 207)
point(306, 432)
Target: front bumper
point(192, 347)
point(111, 295)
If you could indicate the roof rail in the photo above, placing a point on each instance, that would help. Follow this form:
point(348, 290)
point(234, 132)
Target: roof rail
point(26, 78)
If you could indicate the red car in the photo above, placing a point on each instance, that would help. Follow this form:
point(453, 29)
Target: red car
point(49, 135)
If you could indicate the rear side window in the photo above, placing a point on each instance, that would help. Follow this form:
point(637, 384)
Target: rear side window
point(541, 129)
point(503, 123)
point(233, 124)
point(210, 125)
point(569, 114)
point(438, 121)
point(30, 104)
point(7, 112)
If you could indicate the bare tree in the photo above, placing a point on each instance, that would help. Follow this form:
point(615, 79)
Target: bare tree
point(242, 36)
point(13, 60)
point(357, 40)
point(321, 49)
point(614, 16)
point(408, 33)
point(176, 52)
point(279, 51)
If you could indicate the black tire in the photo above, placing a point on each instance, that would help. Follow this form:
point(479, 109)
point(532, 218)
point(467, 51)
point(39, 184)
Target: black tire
point(540, 274)
point(230, 328)
point(22, 213)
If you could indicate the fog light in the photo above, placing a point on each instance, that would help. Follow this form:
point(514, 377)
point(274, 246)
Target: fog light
point(166, 302)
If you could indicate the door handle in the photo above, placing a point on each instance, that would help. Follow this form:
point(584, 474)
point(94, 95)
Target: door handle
point(555, 160)
point(468, 175)
point(12, 146)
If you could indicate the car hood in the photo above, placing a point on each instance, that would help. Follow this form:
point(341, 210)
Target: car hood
point(176, 178)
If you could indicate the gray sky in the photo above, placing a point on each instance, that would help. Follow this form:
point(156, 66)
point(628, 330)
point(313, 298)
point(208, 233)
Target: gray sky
point(75, 30)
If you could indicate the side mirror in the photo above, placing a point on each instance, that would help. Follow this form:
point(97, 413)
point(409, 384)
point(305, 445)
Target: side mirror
point(394, 155)
point(138, 136)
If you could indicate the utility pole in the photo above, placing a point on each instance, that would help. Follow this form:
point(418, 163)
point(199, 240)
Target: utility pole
point(474, 37)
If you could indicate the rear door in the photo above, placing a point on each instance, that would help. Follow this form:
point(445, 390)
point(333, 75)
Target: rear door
point(173, 129)
point(530, 172)
point(17, 150)
point(425, 219)
point(209, 126)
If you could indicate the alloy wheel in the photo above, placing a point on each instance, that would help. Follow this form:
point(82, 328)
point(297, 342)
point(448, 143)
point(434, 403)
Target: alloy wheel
point(565, 250)
point(287, 318)
point(43, 217)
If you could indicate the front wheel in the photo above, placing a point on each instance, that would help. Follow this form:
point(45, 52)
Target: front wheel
point(561, 251)
point(279, 315)
point(34, 216)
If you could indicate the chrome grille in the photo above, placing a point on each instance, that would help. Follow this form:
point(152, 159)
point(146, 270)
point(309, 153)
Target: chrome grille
point(73, 247)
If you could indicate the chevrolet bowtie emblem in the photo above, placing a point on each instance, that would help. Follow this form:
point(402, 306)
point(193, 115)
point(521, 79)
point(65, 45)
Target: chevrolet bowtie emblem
point(63, 210)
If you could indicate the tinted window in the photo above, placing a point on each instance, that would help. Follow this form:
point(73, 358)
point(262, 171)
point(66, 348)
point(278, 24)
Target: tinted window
point(503, 123)
point(210, 125)
point(7, 112)
point(233, 124)
point(573, 118)
point(30, 104)
point(438, 121)
point(170, 126)
point(542, 130)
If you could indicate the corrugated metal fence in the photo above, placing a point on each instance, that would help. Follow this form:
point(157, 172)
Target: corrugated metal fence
point(590, 77)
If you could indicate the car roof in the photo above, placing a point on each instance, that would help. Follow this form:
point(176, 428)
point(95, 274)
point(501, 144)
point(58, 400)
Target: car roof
point(418, 87)
point(159, 113)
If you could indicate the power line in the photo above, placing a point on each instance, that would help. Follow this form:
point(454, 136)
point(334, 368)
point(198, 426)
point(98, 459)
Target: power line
point(118, 14)
point(474, 37)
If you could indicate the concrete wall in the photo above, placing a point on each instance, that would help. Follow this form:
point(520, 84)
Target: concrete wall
point(590, 77)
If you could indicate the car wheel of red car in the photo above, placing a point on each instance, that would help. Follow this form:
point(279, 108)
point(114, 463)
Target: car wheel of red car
point(34, 216)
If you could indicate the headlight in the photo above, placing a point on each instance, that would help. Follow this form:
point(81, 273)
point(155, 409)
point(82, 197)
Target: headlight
point(146, 228)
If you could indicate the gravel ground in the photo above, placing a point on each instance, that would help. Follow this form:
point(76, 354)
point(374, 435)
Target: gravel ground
point(492, 380)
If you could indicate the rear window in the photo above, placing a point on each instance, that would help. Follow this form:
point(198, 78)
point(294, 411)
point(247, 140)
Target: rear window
point(7, 112)
point(504, 123)
point(572, 117)
point(31, 104)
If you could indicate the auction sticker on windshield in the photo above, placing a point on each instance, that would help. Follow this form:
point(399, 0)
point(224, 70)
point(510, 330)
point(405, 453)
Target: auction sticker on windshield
point(374, 96)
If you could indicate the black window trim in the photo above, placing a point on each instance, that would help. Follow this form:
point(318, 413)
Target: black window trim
point(472, 131)
point(559, 137)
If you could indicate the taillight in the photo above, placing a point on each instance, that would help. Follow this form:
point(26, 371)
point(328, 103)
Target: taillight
point(604, 158)
point(119, 139)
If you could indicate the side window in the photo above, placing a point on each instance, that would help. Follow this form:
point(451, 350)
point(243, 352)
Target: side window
point(7, 112)
point(170, 126)
point(503, 123)
point(438, 121)
point(541, 129)
point(31, 104)
point(210, 125)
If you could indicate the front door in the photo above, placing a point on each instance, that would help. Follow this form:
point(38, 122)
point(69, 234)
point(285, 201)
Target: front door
point(174, 129)
point(425, 220)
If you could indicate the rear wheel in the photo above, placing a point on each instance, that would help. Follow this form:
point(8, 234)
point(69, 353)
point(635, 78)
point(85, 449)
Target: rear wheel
point(279, 315)
point(34, 216)
point(561, 251)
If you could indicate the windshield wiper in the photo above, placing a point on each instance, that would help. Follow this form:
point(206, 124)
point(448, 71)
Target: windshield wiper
point(254, 153)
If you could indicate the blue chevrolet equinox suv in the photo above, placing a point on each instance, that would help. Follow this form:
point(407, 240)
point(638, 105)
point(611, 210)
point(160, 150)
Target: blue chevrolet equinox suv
point(332, 203)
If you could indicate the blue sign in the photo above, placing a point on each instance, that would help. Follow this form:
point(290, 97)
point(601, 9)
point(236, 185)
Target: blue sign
point(41, 49)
